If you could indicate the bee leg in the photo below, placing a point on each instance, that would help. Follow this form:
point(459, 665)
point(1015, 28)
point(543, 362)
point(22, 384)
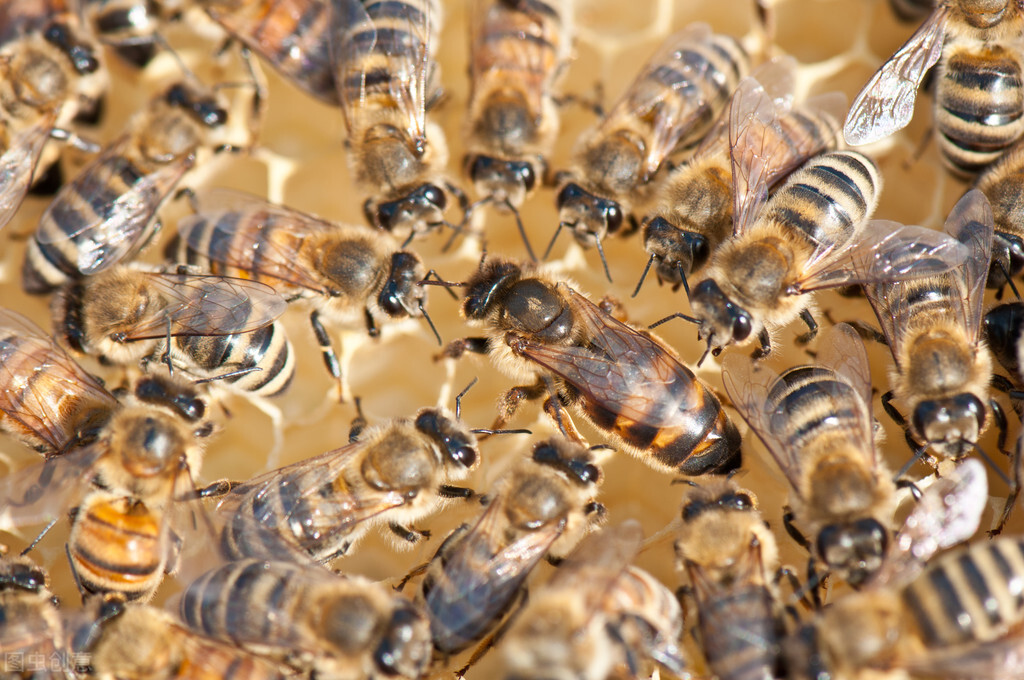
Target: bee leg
point(1011, 499)
point(38, 538)
point(812, 328)
point(327, 350)
point(410, 535)
point(448, 491)
point(915, 491)
point(509, 403)
point(1000, 417)
point(765, 346)
point(496, 636)
point(416, 571)
point(358, 423)
point(553, 407)
point(456, 348)
point(800, 596)
point(891, 411)
point(793, 531)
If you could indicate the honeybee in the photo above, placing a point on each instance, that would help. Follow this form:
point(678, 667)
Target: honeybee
point(107, 214)
point(542, 506)
point(625, 382)
point(673, 102)
point(337, 627)
point(30, 621)
point(215, 324)
point(131, 26)
point(1001, 185)
point(518, 55)
point(387, 78)
point(979, 106)
point(693, 210)
point(144, 642)
point(729, 579)
point(395, 473)
point(812, 234)
point(50, 73)
point(348, 273)
point(933, 328)
point(292, 35)
point(596, 612)
point(817, 425)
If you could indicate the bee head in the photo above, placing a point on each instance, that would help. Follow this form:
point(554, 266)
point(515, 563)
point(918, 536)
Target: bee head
point(503, 179)
point(1003, 327)
point(400, 295)
point(488, 286)
point(404, 650)
point(81, 54)
point(855, 549)
point(424, 204)
point(722, 322)
point(456, 442)
point(24, 576)
point(181, 398)
point(677, 252)
point(590, 217)
point(203, 108)
point(571, 459)
point(732, 500)
point(950, 425)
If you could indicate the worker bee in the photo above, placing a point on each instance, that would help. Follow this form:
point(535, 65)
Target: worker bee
point(214, 325)
point(337, 627)
point(519, 53)
point(49, 73)
point(694, 206)
point(595, 613)
point(1001, 185)
point(673, 102)
point(625, 382)
point(292, 35)
point(349, 273)
point(30, 622)
point(542, 506)
point(812, 234)
point(108, 212)
point(145, 642)
point(387, 78)
point(933, 328)
point(730, 580)
point(979, 105)
point(817, 425)
point(395, 473)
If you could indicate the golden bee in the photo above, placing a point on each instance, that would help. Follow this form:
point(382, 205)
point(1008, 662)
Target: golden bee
point(596, 613)
point(542, 506)
point(336, 627)
point(979, 104)
point(387, 78)
point(108, 213)
point(50, 72)
point(625, 382)
point(518, 56)
point(693, 210)
point(731, 580)
point(817, 425)
point(811, 234)
point(672, 102)
point(350, 274)
point(206, 325)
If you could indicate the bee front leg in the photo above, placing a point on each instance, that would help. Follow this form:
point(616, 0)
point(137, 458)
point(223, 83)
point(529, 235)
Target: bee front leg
point(765, 345)
point(456, 348)
point(812, 328)
point(410, 535)
point(509, 403)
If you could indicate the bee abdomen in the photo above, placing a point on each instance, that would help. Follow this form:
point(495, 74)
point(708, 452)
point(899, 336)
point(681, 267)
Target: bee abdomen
point(740, 635)
point(117, 550)
point(972, 595)
point(267, 349)
point(816, 401)
point(980, 108)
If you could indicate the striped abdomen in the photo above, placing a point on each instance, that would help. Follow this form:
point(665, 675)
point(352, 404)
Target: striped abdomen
point(293, 35)
point(801, 133)
point(979, 106)
point(818, 407)
point(827, 198)
point(267, 349)
point(1002, 185)
point(740, 635)
point(116, 546)
point(971, 595)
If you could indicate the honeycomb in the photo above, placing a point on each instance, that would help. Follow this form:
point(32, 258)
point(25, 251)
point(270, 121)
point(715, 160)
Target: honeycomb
point(302, 163)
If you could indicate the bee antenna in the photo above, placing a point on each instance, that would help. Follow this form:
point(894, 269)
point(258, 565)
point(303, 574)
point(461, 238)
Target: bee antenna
point(555, 238)
point(643, 275)
point(189, 73)
point(484, 430)
point(408, 239)
point(600, 251)
point(522, 229)
point(682, 278)
point(991, 463)
point(677, 315)
point(430, 323)
point(1009, 281)
point(438, 281)
point(918, 455)
point(704, 356)
point(38, 538)
point(460, 395)
point(602, 447)
point(230, 374)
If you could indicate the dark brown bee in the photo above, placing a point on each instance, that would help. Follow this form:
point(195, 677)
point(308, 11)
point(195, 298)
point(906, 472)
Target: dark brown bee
point(979, 101)
point(817, 425)
point(542, 506)
point(673, 102)
point(108, 213)
point(625, 382)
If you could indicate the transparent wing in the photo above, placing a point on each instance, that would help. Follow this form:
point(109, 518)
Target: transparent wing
point(948, 513)
point(749, 385)
point(40, 384)
point(598, 562)
point(886, 104)
point(890, 303)
point(45, 491)
point(18, 164)
point(624, 370)
point(971, 223)
point(842, 350)
point(196, 304)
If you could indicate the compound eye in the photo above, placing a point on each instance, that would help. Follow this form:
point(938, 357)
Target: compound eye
point(740, 501)
point(693, 510)
point(972, 405)
point(614, 217)
point(528, 177)
point(464, 456)
point(741, 327)
point(212, 115)
point(435, 196)
point(570, 192)
point(589, 474)
point(176, 96)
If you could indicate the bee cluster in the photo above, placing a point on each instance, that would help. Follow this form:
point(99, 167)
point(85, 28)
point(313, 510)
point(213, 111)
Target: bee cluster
point(189, 244)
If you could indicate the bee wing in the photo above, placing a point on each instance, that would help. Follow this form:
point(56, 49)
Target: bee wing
point(625, 370)
point(971, 223)
point(881, 252)
point(948, 513)
point(886, 104)
point(1000, 659)
point(18, 164)
point(32, 370)
point(117, 222)
point(748, 385)
point(197, 304)
point(43, 492)
point(238, 222)
point(842, 350)
point(598, 561)
point(390, 62)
